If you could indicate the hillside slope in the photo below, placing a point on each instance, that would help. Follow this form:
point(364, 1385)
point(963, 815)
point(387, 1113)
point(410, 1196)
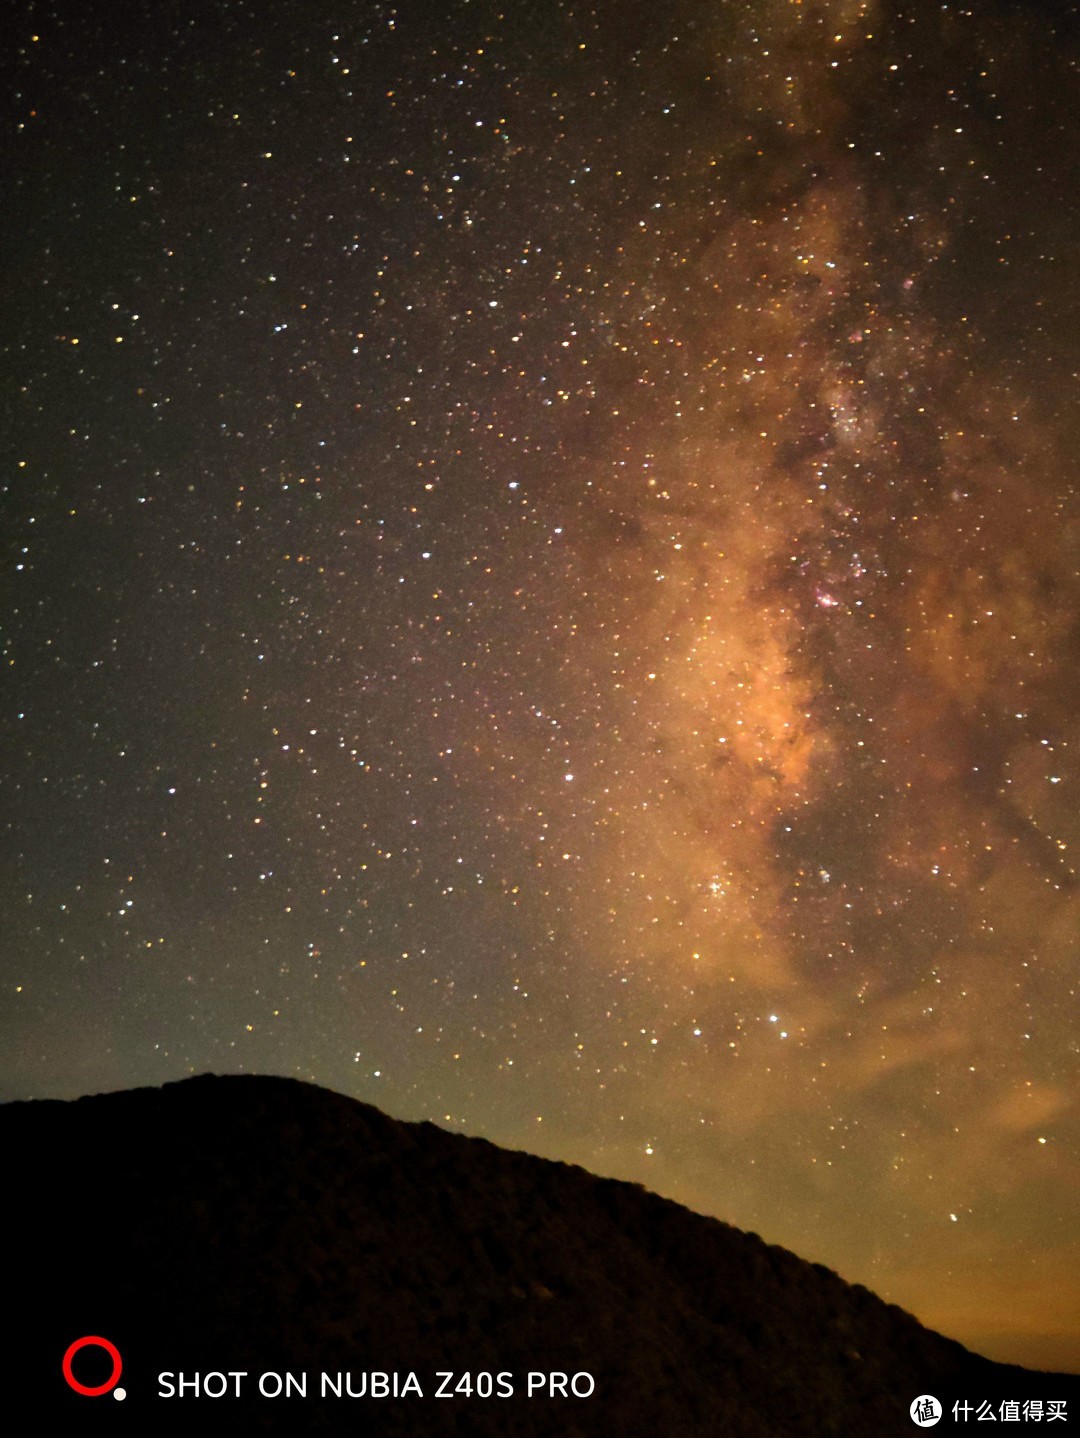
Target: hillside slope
point(264, 1225)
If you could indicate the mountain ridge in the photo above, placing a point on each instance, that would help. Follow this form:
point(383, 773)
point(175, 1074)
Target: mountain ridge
point(257, 1223)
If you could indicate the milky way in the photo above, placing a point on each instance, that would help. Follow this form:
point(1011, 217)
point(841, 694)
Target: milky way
point(540, 591)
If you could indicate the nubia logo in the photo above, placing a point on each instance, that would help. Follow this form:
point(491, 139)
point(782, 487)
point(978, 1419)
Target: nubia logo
point(109, 1386)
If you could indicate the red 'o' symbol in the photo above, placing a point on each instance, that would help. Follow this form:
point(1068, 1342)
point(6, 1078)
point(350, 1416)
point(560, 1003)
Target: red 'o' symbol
point(114, 1377)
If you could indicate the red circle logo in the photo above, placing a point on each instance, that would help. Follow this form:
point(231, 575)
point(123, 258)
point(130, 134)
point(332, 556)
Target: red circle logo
point(114, 1377)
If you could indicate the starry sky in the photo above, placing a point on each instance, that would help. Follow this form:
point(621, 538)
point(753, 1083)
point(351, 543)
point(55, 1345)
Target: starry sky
point(540, 550)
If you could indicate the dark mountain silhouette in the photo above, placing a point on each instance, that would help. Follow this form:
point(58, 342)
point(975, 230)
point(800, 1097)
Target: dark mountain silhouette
point(264, 1225)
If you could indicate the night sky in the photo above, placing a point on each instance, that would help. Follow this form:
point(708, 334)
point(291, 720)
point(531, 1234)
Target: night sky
point(540, 551)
